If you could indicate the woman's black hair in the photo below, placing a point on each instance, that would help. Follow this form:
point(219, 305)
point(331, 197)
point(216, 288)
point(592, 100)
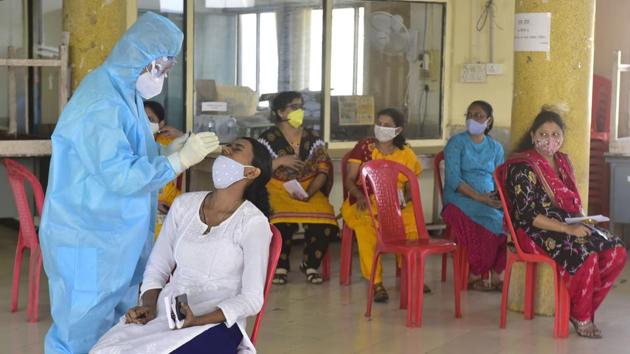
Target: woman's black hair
point(280, 102)
point(157, 108)
point(487, 109)
point(256, 192)
point(545, 116)
point(399, 121)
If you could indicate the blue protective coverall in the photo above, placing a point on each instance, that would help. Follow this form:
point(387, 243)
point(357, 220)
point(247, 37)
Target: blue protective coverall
point(97, 225)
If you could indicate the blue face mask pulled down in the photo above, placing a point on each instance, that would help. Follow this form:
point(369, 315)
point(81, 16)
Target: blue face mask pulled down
point(476, 128)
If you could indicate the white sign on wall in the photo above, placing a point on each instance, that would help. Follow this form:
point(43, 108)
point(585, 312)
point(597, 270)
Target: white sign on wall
point(532, 32)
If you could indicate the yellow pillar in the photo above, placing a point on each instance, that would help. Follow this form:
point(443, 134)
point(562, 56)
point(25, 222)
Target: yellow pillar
point(564, 75)
point(94, 26)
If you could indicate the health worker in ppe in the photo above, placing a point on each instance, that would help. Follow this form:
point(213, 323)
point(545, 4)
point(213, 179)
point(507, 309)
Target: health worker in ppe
point(97, 226)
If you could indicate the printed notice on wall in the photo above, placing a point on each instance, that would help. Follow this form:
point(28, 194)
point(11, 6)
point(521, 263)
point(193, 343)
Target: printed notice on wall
point(532, 32)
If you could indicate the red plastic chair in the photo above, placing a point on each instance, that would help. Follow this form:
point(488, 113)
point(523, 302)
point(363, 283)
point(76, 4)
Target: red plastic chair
point(382, 175)
point(326, 259)
point(562, 300)
point(347, 235)
point(274, 254)
point(461, 251)
point(27, 236)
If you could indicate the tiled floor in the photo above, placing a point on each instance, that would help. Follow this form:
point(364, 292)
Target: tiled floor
point(329, 318)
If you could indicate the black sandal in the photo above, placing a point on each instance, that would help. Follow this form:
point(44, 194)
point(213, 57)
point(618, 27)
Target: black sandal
point(380, 294)
point(312, 275)
point(280, 277)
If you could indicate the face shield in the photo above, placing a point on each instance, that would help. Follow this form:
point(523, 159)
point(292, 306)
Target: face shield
point(161, 66)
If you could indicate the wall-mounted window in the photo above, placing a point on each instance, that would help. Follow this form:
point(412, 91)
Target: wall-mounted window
point(394, 50)
point(383, 54)
point(245, 54)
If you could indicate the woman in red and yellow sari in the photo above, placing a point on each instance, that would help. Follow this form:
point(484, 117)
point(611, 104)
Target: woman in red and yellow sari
point(299, 154)
point(543, 193)
point(388, 144)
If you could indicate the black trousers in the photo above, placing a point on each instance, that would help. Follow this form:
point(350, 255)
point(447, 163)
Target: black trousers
point(316, 239)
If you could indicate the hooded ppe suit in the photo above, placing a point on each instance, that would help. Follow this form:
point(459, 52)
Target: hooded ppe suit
point(97, 225)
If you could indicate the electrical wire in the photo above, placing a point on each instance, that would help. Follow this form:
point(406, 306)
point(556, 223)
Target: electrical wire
point(488, 10)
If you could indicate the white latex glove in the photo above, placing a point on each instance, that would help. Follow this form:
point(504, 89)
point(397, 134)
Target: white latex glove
point(176, 145)
point(197, 147)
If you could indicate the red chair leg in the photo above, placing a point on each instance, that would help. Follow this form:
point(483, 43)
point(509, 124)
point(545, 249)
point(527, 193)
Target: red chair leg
point(530, 287)
point(370, 300)
point(456, 286)
point(419, 290)
point(444, 266)
point(35, 270)
point(404, 283)
point(411, 287)
point(17, 267)
point(565, 304)
point(506, 288)
point(563, 308)
point(326, 266)
point(464, 269)
point(345, 266)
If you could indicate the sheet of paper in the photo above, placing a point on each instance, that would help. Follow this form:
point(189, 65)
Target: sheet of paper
point(592, 218)
point(294, 187)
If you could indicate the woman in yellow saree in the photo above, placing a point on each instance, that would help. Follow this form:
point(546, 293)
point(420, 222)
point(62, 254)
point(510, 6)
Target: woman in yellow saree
point(388, 144)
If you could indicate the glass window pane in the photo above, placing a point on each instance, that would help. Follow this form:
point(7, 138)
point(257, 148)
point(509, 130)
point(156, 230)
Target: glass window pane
point(392, 39)
point(342, 52)
point(268, 53)
point(247, 50)
point(265, 46)
point(360, 40)
point(315, 73)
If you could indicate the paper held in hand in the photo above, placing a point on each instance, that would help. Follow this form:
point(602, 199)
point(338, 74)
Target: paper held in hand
point(593, 219)
point(294, 187)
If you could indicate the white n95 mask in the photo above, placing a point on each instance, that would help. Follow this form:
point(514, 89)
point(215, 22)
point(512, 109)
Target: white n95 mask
point(384, 134)
point(226, 172)
point(149, 86)
point(155, 127)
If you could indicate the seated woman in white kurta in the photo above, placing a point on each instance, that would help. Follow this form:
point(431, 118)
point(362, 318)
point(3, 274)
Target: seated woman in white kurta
point(213, 247)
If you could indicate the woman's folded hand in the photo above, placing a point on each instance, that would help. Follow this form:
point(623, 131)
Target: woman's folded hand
point(577, 230)
point(140, 314)
point(488, 199)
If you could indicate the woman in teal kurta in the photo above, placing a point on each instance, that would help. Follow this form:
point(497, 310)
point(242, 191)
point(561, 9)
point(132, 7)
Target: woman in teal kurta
point(471, 207)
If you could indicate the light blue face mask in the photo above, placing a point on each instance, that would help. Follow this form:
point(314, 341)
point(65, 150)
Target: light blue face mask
point(476, 128)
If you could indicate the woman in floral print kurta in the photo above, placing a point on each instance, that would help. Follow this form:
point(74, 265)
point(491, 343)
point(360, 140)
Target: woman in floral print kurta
point(543, 193)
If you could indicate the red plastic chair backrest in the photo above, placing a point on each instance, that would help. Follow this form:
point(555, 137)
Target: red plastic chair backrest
point(274, 254)
point(382, 176)
point(600, 110)
point(18, 176)
point(500, 177)
point(437, 174)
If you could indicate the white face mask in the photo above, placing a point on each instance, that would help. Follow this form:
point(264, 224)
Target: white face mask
point(155, 127)
point(149, 86)
point(384, 134)
point(226, 172)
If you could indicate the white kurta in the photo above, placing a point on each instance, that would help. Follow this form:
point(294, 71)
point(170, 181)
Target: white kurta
point(224, 269)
